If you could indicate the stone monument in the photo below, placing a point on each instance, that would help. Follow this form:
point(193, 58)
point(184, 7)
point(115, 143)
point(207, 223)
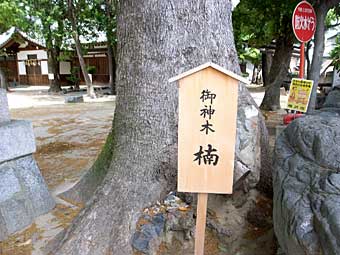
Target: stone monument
point(23, 192)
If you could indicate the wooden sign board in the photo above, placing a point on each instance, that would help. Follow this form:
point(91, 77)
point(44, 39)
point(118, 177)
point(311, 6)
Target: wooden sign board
point(207, 129)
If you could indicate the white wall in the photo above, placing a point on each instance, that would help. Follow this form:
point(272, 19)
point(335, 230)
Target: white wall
point(41, 54)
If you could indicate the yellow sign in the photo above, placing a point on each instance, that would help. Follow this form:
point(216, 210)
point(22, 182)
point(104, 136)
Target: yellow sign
point(299, 94)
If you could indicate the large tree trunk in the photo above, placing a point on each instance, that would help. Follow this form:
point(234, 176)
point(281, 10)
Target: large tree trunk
point(111, 45)
point(53, 44)
point(156, 40)
point(267, 59)
point(112, 68)
point(277, 74)
point(321, 9)
point(254, 75)
point(53, 63)
point(75, 35)
point(88, 82)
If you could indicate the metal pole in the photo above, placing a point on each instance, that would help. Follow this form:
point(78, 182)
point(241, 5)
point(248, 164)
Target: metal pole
point(302, 60)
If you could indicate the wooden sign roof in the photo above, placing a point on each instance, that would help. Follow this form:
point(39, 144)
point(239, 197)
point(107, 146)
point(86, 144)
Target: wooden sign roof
point(213, 65)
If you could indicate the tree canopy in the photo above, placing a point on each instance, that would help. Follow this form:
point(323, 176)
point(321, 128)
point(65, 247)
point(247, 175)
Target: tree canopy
point(51, 21)
point(258, 22)
point(335, 54)
point(12, 14)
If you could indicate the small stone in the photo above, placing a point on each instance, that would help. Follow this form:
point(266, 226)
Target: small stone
point(158, 221)
point(149, 234)
point(74, 99)
point(140, 242)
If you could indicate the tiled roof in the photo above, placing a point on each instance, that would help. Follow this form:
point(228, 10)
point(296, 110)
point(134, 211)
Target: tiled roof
point(7, 36)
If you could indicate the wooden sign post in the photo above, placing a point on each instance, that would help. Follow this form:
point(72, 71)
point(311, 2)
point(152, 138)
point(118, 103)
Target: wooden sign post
point(206, 136)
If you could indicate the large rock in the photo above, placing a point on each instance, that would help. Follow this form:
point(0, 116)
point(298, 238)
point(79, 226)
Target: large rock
point(23, 195)
point(252, 159)
point(306, 183)
point(23, 192)
point(17, 140)
point(333, 98)
point(4, 112)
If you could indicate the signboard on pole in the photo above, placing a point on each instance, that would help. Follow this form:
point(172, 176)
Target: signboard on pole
point(304, 21)
point(207, 129)
point(299, 94)
point(206, 136)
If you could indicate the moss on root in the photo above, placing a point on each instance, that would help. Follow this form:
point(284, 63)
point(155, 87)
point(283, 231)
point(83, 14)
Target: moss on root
point(84, 189)
point(102, 163)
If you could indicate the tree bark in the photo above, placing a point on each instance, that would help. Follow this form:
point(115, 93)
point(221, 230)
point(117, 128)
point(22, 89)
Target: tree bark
point(111, 45)
point(278, 72)
point(321, 9)
point(267, 60)
point(156, 40)
point(112, 69)
point(258, 76)
point(53, 63)
point(75, 35)
point(53, 51)
point(254, 75)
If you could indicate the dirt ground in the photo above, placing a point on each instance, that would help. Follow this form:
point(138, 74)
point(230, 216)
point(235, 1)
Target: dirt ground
point(69, 137)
